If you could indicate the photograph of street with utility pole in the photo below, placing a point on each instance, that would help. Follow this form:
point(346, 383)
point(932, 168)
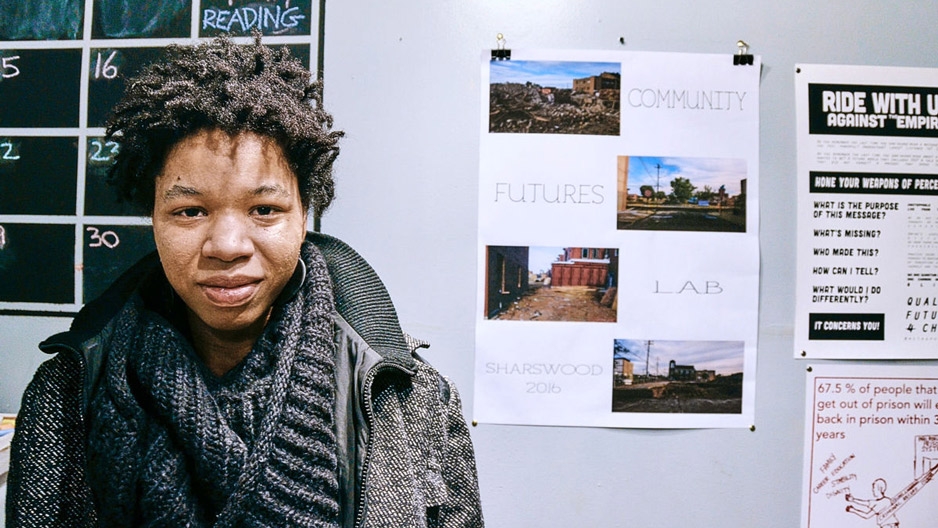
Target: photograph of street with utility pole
point(554, 97)
point(681, 194)
point(551, 283)
point(703, 377)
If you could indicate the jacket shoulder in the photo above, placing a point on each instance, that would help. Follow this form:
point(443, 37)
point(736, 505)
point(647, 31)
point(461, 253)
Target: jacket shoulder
point(361, 298)
point(46, 485)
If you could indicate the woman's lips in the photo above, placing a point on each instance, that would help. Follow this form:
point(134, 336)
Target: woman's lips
point(229, 292)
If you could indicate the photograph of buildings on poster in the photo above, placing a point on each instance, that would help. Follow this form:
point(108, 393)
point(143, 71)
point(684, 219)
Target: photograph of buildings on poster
point(656, 376)
point(551, 283)
point(551, 97)
point(681, 194)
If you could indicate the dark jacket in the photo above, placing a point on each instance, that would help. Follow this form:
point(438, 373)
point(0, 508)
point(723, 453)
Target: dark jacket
point(405, 456)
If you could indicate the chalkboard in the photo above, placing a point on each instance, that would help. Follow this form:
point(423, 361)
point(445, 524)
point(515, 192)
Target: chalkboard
point(107, 250)
point(108, 69)
point(64, 236)
point(40, 88)
point(41, 19)
point(31, 167)
point(37, 263)
point(129, 19)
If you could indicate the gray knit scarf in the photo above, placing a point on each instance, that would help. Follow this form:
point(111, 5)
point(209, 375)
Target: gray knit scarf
point(171, 445)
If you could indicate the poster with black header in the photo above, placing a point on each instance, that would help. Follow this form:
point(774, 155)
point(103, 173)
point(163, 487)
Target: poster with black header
point(867, 243)
point(871, 446)
point(618, 262)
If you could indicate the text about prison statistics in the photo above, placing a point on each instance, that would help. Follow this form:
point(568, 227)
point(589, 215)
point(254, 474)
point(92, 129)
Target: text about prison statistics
point(852, 412)
point(846, 406)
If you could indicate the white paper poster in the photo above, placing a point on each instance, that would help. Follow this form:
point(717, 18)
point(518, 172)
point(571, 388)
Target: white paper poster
point(867, 272)
point(618, 240)
point(871, 447)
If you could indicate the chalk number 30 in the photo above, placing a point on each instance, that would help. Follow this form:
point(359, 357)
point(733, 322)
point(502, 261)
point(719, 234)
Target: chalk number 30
point(108, 239)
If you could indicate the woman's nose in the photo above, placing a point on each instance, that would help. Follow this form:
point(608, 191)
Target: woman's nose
point(228, 239)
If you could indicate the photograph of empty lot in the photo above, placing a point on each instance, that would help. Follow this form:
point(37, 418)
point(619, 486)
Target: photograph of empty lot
point(681, 194)
point(554, 97)
point(551, 283)
point(661, 376)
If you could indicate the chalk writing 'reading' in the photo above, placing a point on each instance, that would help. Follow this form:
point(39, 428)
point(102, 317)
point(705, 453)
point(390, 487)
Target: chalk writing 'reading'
point(245, 18)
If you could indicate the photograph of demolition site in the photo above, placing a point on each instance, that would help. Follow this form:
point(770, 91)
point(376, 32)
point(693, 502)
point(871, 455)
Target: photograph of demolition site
point(551, 283)
point(547, 97)
point(681, 194)
point(703, 377)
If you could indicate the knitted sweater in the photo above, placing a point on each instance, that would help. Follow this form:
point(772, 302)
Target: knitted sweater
point(403, 448)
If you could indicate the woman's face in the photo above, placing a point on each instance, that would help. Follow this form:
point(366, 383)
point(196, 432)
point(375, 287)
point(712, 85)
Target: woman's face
point(228, 222)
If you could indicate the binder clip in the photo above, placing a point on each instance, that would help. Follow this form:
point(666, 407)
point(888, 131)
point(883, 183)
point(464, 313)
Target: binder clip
point(742, 57)
point(500, 53)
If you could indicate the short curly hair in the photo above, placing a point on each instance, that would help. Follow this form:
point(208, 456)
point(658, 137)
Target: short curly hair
point(234, 88)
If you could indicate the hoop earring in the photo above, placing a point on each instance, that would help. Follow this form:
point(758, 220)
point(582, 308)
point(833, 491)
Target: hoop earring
point(294, 284)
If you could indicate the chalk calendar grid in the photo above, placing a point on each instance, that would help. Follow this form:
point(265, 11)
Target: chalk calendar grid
point(63, 235)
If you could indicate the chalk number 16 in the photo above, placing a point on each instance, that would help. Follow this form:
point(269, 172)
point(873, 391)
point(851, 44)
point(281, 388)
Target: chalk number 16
point(103, 66)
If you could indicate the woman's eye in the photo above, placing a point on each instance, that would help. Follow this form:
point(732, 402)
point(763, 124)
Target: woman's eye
point(190, 212)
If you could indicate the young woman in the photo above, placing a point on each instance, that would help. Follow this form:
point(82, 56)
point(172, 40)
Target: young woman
point(248, 373)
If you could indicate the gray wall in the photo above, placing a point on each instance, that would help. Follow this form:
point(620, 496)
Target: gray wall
point(402, 78)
